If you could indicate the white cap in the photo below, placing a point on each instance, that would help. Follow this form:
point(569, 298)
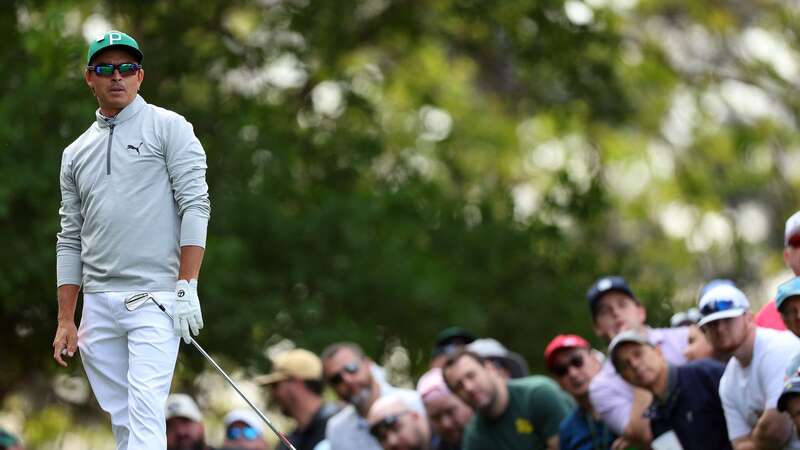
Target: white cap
point(181, 405)
point(792, 227)
point(488, 348)
point(243, 415)
point(735, 305)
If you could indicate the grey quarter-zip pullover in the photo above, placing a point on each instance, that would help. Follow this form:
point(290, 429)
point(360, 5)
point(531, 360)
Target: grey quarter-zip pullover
point(133, 191)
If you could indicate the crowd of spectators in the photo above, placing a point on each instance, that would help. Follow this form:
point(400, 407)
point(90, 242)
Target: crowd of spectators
point(720, 377)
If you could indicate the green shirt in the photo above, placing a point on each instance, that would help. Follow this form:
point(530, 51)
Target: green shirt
point(536, 407)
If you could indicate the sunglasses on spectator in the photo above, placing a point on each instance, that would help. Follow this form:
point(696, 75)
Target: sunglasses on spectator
point(717, 306)
point(106, 70)
point(248, 433)
point(575, 361)
point(794, 241)
point(351, 368)
point(383, 426)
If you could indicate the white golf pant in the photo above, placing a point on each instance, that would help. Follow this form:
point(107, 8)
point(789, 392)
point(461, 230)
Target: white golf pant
point(129, 358)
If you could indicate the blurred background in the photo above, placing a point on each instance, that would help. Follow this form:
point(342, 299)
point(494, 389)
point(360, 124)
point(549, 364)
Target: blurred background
point(382, 169)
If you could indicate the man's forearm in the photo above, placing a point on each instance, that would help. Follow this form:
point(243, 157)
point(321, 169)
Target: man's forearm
point(67, 301)
point(191, 260)
point(743, 443)
point(638, 428)
point(772, 430)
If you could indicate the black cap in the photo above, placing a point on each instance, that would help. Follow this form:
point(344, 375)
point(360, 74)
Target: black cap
point(790, 389)
point(605, 285)
point(450, 336)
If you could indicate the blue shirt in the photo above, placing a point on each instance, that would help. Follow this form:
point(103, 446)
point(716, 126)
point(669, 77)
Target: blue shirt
point(693, 409)
point(581, 431)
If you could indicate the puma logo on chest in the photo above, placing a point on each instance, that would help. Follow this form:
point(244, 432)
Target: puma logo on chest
point(131, 147)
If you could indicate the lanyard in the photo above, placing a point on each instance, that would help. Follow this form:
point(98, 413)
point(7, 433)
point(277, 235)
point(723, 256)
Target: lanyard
point(603, 442)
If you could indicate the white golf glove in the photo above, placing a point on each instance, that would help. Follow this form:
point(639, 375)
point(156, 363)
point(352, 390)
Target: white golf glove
point(187, 313)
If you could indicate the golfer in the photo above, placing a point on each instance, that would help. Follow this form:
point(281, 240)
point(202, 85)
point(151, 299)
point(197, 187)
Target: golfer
point(134, 212)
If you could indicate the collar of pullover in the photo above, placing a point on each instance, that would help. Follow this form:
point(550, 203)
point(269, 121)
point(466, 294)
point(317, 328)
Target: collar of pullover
point(127, 112)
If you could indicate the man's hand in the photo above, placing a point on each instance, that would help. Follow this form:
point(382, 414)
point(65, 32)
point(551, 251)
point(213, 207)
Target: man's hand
point(187, 313)
point(65, 342)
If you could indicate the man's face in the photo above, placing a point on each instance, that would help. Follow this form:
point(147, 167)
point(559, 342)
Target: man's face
point(790, 313)
point(793, 409)
point(281, 393)
point(791, 254)
point(640, 365)
point(574, 369)
point(473, 382)
point(448, 415)
point(615, 312)
point(350, 376)
point(726, 335)
point(185, 434)
point(115, 91)
point(698, 346)
point(399, 430)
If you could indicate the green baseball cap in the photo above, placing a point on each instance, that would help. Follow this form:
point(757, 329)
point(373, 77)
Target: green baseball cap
point(7, 439)
point(114, 39)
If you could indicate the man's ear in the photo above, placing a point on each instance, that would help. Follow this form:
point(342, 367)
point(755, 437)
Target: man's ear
point(87, 76)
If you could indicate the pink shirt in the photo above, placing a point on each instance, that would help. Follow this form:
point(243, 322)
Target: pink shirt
point(612, 397)
point(769, 317)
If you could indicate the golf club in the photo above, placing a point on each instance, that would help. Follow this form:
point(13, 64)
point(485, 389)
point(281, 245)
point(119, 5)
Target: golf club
point(135, 301)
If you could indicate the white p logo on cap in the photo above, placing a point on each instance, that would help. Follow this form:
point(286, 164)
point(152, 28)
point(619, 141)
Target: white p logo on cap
point(114, 37)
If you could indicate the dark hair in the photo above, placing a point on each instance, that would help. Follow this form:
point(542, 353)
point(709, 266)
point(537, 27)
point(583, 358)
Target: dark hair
point(453, 358)
point(335, 347)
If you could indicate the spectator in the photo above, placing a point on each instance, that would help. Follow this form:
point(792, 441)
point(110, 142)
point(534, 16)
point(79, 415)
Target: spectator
point(509, 364)
point(615, 309)
point(447, 413)
point(685, 398)
point(296, 386)
point(398, 423)
point(753, 378)
point(509, 414)
point(787, 301)
point(768, 316)
point(789, 401)
point(448, 341)
point(698, 346)
point(9, 442)
point(349, 372)
point(685, 318)
point(572, 363)
point(243, 430)
point(185, 429)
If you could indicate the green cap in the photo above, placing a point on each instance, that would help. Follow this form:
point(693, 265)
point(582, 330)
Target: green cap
point(6, 439)
point(111, 39)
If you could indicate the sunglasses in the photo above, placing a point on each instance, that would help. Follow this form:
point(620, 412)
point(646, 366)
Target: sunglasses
point(106, 70)
point(351, 368)
point(717, 306)
point(575, 361)
point(248, 433)
point(794, 241)
point(385, 425)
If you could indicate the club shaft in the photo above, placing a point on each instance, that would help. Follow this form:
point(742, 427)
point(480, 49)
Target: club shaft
point(233, 384)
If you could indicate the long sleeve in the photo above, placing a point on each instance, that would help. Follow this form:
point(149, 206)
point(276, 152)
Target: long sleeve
point(186, 164)
point(69, 267)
